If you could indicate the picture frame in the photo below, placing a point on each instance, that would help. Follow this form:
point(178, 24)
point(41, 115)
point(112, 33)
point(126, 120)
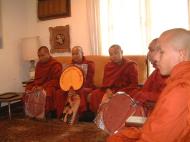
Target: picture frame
point(59, 39)
point(52, 9)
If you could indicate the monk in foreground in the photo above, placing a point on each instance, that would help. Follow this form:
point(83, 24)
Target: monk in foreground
point(169, 121)
point(40, 94)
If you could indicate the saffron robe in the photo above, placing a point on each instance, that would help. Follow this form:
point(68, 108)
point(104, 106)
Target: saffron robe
point(47, 76)
point(88, 85)
point(117, 77)
point(170, 119)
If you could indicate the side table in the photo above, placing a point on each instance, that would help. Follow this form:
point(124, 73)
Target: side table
point(9, 97)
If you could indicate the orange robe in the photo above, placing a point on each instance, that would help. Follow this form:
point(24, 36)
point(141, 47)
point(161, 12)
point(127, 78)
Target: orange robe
point(170, 119)
point(47, 76)
point(123, 77)
point(87, 87)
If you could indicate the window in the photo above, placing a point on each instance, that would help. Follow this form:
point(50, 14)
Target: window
point(134, 23)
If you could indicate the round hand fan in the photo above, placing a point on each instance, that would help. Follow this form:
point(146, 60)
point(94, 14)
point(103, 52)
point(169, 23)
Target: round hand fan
point(71, 77)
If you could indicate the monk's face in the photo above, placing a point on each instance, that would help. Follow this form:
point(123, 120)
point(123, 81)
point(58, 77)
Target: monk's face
point(152, 49)
point(167, 56)
point(77, 55)
point(43, 56)
point(115, 55)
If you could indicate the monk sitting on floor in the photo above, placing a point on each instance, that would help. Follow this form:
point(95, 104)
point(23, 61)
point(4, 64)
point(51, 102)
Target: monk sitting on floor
point(169, 121)
point(88, 68)
point(119, 75)
point(39, 98)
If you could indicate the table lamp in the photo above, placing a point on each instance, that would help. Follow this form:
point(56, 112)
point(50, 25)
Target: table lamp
point(30, 47)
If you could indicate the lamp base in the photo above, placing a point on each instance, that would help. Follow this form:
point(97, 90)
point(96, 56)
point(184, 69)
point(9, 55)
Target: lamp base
point(31, 75)
point(32, 70)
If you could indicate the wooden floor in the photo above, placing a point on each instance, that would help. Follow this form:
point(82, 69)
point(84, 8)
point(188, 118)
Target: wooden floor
point(22, 129)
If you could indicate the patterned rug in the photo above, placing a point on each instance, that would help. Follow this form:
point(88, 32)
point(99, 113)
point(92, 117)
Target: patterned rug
point(29, 130)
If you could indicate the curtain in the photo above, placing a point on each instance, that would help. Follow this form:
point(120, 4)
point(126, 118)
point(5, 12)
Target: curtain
point(93, 16)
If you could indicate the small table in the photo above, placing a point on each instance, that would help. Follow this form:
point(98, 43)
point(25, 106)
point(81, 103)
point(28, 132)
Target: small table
point(9, 97)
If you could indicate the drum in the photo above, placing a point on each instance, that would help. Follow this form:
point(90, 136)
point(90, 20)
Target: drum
point(35, 104)
point(113, 115)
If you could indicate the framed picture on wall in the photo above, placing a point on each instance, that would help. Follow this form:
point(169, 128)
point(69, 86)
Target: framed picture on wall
point(51, 9)
point(59, 39)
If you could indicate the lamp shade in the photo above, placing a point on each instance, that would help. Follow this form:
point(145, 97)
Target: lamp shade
point(30, 47)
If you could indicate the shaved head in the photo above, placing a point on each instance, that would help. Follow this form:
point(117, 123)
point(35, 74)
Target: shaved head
point(116, 53)
point(174, 48)
point(43, 54)
point(152, 49)
point(43, 49)
point(78, 48)
point(77, 54)
point(116, 47)
point(179, 39)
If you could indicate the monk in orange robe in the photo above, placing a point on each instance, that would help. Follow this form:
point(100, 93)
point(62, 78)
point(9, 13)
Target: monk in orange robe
point(47, 74)
point(88, 85)
point(170, 119)
point(119, 75)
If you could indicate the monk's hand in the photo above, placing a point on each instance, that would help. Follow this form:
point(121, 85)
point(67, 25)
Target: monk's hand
point(38, 88)
point(109, 93)
point(107, 96)
point(33, 88)
point(71, 92)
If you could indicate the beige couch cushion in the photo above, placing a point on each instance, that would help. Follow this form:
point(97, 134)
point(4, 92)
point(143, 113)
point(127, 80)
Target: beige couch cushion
point(100, 61)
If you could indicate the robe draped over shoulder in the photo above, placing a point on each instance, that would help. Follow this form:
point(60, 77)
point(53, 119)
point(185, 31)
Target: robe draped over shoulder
point(170, 119)
point(117, 77)
point(152, 88)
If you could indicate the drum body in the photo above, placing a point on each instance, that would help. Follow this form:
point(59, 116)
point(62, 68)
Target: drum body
point(35, 104)
point(113, 115)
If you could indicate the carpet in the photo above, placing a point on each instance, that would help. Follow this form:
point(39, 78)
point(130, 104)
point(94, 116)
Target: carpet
point(30, 130)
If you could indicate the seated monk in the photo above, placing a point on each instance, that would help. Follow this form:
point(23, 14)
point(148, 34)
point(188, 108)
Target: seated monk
point(169, 121)
point(119, 75)
point(88, 85)
point(46, 81)
point(152, 88)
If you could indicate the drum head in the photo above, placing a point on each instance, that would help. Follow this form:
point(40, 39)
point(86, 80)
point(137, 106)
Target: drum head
point(117, 111)
point(72, 77)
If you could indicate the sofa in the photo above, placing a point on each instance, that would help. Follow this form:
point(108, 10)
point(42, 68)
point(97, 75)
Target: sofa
point(100, 61)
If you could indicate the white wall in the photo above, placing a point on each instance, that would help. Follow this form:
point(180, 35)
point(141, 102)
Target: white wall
point(78, 25)
point(13, 28)
point(19, 19)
